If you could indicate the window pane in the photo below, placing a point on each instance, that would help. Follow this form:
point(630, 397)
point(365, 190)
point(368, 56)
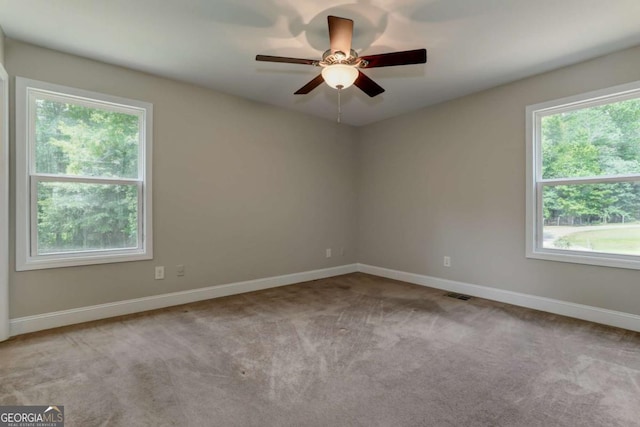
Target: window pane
point(77, 140)
point(594, 141)
point(593, 217)
point(78, 217)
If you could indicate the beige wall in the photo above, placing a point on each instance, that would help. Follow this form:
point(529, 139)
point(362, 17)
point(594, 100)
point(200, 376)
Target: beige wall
point(244, 190)
point(450, 180)
point(241, 190)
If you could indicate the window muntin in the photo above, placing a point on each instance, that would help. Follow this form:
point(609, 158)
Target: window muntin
point(83, 161)
point(583, 202)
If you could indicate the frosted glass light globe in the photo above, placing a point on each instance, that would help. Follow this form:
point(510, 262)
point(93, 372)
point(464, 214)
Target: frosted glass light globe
point(339, 75)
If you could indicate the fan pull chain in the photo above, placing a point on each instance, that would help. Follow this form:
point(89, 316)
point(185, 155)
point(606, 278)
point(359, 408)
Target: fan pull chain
point(339, 105)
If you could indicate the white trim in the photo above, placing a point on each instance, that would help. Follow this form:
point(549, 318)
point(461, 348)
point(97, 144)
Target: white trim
point(552, 182)
point(4, 204)
point(535, 183)
point(39, 322)
point(27, 257)
point(531, 194)
point(40, 177)
point(579, 311)
point(88, 99)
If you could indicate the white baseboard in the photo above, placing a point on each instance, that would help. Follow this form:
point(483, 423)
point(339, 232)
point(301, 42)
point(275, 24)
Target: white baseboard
point(578, 311)
point(39, 322)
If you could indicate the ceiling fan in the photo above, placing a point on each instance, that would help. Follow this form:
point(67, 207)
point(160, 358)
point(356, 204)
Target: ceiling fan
point(341, 64)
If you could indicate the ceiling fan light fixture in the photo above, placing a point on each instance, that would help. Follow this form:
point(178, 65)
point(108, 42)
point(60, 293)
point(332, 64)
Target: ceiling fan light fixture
point(340, 63)
point(339, 75)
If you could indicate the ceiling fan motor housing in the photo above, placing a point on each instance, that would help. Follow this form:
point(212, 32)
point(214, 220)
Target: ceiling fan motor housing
point(340, 57)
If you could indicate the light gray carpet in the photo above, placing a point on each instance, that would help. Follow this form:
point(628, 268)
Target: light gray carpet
point(354, 350)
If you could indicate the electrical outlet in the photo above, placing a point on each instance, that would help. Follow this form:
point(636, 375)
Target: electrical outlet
point(180, 269)
point(341, 251)
point(328, 253)
point(160, 272)
point(447, 261)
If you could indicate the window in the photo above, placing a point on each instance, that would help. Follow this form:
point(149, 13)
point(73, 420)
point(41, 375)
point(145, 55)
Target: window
point(83, 177)
point(583, 178)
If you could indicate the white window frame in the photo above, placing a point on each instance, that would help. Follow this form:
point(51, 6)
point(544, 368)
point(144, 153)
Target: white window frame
point(4, 204)
point(535, 182)
point(27, 179)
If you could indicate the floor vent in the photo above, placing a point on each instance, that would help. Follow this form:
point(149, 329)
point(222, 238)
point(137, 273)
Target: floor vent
point(458, 296)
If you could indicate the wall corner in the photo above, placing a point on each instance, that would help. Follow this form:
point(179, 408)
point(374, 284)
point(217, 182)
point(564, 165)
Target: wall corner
point(2, 37)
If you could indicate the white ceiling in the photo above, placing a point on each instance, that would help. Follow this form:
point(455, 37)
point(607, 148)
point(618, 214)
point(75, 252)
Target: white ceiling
point(471, 44)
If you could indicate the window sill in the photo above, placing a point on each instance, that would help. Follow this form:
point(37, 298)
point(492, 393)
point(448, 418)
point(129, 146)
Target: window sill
point(42, 263)
point(590, 258)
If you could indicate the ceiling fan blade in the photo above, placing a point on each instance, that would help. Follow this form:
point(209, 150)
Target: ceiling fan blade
point(340, 33)
point(418, 56)
point(268, 58)
point(310, 86)
point(367, 85)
